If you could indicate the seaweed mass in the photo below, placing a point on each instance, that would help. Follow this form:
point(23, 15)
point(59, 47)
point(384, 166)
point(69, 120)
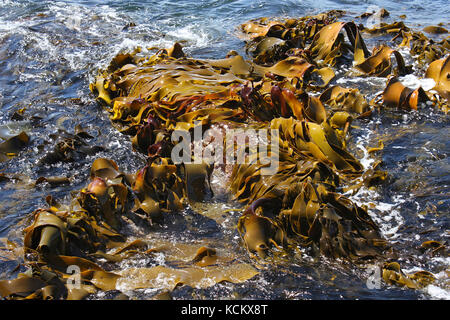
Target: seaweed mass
point(288, 89)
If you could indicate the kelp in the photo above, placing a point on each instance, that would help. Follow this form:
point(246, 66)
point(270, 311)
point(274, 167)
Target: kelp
point(392, 274)
point(187, 263)
point(53, 181)
point(312, 158)
point(281, 102)
point(20, 287)
point(304, 27)
point(106, 195)
point(423, 49)
point(379, 63)
point(259, 232)
point(61, 236)
point(68, 147)
point(285, 87)
point(439, 71)
point(435, 248)
point(396, 95)
point(313, 154)
point(9, 250)
point(35, 283)
point(269, 50)
point(169, 278)
point(12, 146)
point(205, 257)
point(435, 29)
point(155, 186)
point(344, 105)
point(165, 187)
point(387, 28)
point(328, 43)
point(47, 234)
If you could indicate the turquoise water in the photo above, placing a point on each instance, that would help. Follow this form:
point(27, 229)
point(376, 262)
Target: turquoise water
point(50, 51)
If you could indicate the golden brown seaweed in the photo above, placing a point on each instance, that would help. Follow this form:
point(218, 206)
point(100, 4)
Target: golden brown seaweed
point(300, 204)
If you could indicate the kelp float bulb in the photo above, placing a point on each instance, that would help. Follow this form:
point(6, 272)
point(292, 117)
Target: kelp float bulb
point(98, 187)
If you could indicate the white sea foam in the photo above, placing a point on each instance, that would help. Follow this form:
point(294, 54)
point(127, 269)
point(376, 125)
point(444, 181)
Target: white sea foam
point(413, 82)
point(437, 292)
point(195, 36)
point(366, 161)
point(440, 289)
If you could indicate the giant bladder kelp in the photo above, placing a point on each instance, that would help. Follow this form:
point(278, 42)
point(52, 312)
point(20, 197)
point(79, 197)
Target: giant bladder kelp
point(285, 88)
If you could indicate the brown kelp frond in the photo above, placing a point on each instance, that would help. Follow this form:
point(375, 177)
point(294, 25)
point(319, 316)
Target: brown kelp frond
point(423, 49)
point(302, 196)
point(379, 63)
point(298, 203)
point(329, 44)
point(439, 71)
point(344, 99)
point(392, 274)
point(396, 95)
point(303, 28)
point(12, 146)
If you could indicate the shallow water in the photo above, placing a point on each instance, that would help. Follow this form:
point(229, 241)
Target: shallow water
point(50, 51)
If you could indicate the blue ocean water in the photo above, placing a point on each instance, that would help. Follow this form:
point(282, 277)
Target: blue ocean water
point(51, 50)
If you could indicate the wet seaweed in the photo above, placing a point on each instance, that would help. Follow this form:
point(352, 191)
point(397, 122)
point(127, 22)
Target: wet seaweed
point(287, 87)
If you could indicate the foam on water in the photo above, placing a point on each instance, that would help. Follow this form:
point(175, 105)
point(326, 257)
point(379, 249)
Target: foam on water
point(386, 215)
point(194, 35)
point(413, 82)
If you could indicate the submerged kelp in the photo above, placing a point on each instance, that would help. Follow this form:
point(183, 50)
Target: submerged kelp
point(286, 88)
